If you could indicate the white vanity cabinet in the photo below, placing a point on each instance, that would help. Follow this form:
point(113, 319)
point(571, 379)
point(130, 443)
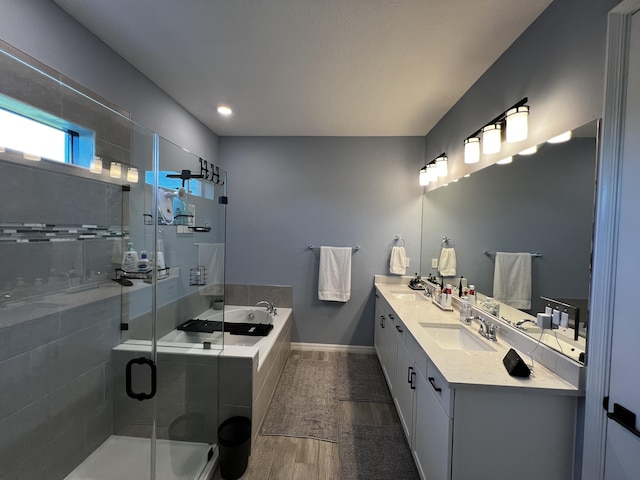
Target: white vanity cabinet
point(385, 339)
point(472, 429)
point(432, 439)
point(404, 391)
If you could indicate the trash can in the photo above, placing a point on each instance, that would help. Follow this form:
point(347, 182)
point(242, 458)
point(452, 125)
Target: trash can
point(234, 440)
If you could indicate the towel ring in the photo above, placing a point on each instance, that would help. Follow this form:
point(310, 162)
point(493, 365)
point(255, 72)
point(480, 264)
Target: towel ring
point(447, 242)
point(399, 239)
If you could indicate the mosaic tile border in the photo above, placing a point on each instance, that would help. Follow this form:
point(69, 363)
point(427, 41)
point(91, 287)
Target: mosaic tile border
point(43, 232)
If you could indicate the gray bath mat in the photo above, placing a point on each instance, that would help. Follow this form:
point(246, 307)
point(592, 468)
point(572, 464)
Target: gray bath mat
point(360, 379)
point(375, 453)
point(305, 403)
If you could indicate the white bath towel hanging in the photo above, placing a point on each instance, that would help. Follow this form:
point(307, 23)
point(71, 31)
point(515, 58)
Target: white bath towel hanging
point(512, 279)
point(447, 263)
point(398, 261)
point(334, 276)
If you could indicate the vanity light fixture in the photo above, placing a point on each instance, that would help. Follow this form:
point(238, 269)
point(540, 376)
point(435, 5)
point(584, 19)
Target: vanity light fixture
point(505, 161)
point(491, 138)
point(563, 137)
point(115, 171)
point(423, 177)
point(433, 170)
point(441, 165)
point(529, 151)
point(514, 121)
point(132, 175)
point(96, 165)
point(472, 150)
point(517, 120)
point(224, 110)
point(467, 175)
point(2, 149)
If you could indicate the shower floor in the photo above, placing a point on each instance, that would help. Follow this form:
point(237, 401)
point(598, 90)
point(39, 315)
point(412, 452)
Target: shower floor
point(128, 458)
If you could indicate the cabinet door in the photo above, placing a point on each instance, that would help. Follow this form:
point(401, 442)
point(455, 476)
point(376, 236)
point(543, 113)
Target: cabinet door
point(379, 329)
point(433, 434)
point(404, 388)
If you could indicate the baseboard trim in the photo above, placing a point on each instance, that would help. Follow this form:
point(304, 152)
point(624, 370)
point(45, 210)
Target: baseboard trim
point(328, 347)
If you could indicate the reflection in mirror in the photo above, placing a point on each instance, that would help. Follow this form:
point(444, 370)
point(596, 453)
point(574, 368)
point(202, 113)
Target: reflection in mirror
point(541, 203)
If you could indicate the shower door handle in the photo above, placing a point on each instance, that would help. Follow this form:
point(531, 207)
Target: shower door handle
point(141, 361)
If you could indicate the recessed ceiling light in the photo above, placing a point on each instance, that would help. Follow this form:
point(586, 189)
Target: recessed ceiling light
point(224, 110)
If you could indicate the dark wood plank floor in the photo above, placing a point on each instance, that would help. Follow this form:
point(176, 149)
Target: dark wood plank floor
point(288, 458)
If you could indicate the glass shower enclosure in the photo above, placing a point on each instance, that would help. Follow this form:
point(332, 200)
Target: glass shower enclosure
point(96, 380)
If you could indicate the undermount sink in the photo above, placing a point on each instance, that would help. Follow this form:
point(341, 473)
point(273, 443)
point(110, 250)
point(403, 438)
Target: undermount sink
point(401, 295)
point(456, 337)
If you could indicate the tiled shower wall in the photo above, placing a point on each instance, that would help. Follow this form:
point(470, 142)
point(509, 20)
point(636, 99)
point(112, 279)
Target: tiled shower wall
point(56, 389)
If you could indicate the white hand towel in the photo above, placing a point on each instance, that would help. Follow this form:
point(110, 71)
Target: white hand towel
point(398, 262)
point(447, 264)
point(512, 279)
point(211, 256)
point(334, 278)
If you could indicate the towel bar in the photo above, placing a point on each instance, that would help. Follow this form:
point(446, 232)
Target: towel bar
point(488, 253)
point(355, 249)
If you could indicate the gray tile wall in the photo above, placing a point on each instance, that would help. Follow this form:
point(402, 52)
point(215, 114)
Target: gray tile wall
point(279, 295)
point(56, 390)
point(56, 397)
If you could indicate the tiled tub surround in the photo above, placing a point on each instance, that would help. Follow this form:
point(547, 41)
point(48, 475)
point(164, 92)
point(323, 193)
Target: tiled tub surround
point(279, 295)
point(212, 385)
point(482, 422)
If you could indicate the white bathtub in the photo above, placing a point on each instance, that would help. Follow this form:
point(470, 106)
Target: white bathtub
point(234, 345)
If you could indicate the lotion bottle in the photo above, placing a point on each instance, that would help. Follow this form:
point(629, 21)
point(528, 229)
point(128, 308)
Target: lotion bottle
point(130, 259)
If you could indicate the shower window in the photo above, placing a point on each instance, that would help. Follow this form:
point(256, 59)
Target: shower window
point(38, 135)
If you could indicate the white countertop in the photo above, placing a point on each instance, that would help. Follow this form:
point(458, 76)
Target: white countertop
point(463, 368)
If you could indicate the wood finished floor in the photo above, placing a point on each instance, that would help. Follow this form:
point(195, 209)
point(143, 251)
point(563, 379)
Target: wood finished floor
point(288, 458)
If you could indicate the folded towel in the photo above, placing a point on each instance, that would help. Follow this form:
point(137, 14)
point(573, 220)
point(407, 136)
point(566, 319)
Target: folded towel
point(334, 278)
point(447, 264)
point(512, 279)
point(398, 262)
point(211, 256)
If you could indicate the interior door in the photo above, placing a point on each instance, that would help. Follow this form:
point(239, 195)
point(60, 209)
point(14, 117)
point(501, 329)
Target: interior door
point(622, 455)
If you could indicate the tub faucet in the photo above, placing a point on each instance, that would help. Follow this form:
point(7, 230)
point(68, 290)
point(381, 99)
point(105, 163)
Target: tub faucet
point(269, 306)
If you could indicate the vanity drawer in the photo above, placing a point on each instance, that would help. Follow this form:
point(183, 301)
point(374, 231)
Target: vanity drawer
point(418, 354)
point(399, 327)
point(440, 388)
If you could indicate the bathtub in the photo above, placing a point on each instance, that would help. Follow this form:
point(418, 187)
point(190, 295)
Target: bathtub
point(234, 345)
point(248, 368)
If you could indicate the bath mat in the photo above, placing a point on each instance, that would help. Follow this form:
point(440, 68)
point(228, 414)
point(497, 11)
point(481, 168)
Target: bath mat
point(375, 453)
point(304, 403)
point(360, 379)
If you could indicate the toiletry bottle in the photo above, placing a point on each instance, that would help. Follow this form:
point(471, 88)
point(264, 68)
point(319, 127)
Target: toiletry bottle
point(460, 288)
point(472, 294)
point(447, 296)
point(130, 259)
point(143, 263)
point(465, 309)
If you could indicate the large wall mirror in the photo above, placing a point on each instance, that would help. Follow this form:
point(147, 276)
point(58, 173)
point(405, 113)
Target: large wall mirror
point(541, 204)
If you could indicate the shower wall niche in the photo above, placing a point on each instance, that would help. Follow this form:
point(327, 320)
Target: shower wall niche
point(67, 329)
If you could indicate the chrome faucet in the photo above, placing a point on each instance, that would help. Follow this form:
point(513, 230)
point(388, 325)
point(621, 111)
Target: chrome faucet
point(269, 306)
point(487, 329)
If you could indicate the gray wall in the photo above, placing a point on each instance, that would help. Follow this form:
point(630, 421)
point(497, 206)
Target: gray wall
point(558, 63)
point(288, 193)
point(44, 31)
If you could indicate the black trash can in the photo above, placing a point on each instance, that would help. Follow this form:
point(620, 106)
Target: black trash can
point(234, 440)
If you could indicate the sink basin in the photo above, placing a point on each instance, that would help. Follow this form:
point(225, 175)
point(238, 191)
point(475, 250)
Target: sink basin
point(456, 337)
point(401, 295)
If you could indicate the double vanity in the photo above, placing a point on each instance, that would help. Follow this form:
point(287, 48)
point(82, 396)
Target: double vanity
point(463, 415)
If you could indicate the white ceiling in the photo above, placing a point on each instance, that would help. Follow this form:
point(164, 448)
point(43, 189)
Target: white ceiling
point(311, 67)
